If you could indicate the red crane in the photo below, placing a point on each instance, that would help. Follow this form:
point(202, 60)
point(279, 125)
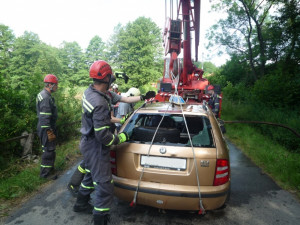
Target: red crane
point(180, 74)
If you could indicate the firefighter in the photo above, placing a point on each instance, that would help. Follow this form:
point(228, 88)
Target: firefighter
point(214, 101)
point(95, 142)
point(46, 129)
point(79, 173)
point(115, 89)
point(126, 108)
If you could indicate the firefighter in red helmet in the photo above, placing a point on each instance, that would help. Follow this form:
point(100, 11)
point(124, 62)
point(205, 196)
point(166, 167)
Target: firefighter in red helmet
point(214, 101)
point(94, 97)
point(97, 137)
point(94, 144)
point(46, 128)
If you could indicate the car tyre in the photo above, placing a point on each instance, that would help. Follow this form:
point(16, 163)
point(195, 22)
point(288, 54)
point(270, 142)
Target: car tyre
point(146, 134)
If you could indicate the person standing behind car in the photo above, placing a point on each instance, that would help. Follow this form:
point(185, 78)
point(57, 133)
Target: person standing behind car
point(214, 101)
point(114, 89)
point(126, 108)
point(46, 128)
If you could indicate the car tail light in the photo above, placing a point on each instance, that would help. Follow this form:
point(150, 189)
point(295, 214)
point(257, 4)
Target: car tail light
point(113, 162)
point(222, 172)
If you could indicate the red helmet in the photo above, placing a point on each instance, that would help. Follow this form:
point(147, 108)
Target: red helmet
point(100, 69)
point(50, 78)
point(210, 87)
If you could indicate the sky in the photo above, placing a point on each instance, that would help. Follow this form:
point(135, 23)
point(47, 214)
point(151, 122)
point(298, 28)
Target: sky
point(56, 21)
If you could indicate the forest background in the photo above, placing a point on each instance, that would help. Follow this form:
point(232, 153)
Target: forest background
point(261, 81)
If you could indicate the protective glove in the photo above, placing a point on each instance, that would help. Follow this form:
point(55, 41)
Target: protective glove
point(51, 135)
point(123, 137)
point(149, 94)
point(123, 120)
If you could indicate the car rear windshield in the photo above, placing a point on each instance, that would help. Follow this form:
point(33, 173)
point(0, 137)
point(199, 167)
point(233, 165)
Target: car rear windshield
point(172, 130)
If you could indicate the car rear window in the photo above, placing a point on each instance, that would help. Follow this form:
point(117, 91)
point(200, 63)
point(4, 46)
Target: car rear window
point(172, 130)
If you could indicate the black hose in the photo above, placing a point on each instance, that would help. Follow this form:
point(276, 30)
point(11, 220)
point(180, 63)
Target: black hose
point(268, 123)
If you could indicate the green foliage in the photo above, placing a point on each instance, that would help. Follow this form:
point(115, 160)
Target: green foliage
point(282, 32)
point(21, 178)
point(236, 70)
point(209, 68)
point(24, 62)
point(7, 40)
point(217, 78)
point(257, 112)
point(95, 50)
point(137, 51)
point(69, 111)
point(73, 64)
point(275, 160)
point(277, 90)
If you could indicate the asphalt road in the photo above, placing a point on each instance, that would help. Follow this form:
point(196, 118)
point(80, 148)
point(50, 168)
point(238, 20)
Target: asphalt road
point(255, 199)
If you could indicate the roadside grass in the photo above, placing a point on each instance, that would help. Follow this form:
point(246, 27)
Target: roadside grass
point(280, 163)
point(14, 187)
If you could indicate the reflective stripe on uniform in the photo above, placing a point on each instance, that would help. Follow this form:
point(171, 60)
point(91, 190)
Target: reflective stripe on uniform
point(81, 169)
point(88, 106)
point(101, 128)
point(86, 187)
point(39, 96)
point(44, 126)
point(101, 209)
point(95, 184)
point(44, 113)
point(110, 143)
point(44, 166)
point(87, 170)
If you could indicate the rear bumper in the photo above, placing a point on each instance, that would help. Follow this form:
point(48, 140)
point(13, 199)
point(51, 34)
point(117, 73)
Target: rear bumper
point(170, 196)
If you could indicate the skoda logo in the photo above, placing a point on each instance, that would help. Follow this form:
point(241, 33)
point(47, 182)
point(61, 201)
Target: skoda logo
point(162, 150)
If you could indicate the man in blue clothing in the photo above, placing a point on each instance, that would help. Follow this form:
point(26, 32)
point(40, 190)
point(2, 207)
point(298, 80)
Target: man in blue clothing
point(96, 141)
point(46, 129)
point(214, 101)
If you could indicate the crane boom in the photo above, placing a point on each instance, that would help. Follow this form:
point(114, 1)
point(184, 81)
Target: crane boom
point(181, 73)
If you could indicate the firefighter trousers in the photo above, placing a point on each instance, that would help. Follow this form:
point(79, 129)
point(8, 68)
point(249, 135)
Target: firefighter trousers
point(98, 176)
point(48, 155)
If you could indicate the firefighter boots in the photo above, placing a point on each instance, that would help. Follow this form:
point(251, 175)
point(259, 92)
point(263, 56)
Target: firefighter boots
point(82, 204)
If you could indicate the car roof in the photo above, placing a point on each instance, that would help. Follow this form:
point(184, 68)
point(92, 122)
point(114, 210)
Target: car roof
point(162, 107)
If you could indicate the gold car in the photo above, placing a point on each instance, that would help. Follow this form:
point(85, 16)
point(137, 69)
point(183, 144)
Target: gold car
point(161, 172)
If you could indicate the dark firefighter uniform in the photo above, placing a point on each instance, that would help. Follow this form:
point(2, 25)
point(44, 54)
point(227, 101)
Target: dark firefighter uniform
point(214, 103)
point(95, 146)
point(78, 175)
point(47, 116)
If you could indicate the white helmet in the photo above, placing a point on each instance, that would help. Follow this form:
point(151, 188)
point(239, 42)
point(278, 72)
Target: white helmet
point(114, 86)
point(133, 92)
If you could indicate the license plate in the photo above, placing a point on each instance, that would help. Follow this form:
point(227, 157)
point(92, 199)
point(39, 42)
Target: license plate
point(163, 162)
